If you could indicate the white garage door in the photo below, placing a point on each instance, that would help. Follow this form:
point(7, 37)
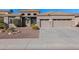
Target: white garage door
point(45, 23)
point(63, 23)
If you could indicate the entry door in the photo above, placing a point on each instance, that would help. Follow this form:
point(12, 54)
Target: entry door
point(45, 23)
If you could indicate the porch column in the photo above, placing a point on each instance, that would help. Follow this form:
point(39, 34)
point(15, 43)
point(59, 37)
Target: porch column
point(21, 21)
point(28, 22)
point(6, 20)
point(75, 21)
point(51, 22)
point(38, 22)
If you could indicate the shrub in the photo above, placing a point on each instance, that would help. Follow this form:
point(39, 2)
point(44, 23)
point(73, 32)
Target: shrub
point(1, 20)
point(17, 22)
point(2, 25)
point(6, 26)
point(34, 26)
point(11, 29)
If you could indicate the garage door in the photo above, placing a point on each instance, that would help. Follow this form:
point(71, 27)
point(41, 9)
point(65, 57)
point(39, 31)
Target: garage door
point(44, 23)
point(63, 23)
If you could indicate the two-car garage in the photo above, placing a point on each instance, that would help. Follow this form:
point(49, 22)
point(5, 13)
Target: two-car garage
point(56, 21)
point(45, 23)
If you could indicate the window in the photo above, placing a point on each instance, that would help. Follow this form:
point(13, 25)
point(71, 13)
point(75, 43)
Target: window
point(28, 14)
point(22, 14)
point(34, 14)
point(10, 21)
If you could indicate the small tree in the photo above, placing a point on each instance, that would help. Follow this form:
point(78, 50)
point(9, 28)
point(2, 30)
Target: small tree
point(11, 11)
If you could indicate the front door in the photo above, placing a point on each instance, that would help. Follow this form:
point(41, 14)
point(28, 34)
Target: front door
point(23, 21)
point(33, 20)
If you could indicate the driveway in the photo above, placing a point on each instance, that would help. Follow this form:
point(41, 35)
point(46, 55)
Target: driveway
point(52, 38)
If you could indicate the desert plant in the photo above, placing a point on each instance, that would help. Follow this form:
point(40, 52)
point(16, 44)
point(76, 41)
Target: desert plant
point(1, 20)
point(11, 29)
point(34, 26)
point(3, 30)
point(17, 22)
point(6, 26)
point(2, 25)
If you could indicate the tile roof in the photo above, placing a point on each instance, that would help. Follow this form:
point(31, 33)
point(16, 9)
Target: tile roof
point(12, 15)
point(6, 13)
point(30, 10)
point(56, 13)
point(2, 12)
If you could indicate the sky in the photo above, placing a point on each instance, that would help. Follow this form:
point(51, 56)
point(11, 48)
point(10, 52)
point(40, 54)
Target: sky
point(49, 10)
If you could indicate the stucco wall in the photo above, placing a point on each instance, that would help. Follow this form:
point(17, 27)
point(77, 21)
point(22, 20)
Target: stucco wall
point(56, 17)
point(76, 21)
point(6, 20)
point(62, 17)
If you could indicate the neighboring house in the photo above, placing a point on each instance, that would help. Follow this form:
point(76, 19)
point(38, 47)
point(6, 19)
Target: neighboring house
point(49, 19)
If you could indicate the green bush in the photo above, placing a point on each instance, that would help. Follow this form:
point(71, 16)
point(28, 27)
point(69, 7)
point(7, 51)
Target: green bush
point(1, 20)
point(35, 27)
point(6, 26)
point(17, 22)
point(2, 25)
point(11, 29)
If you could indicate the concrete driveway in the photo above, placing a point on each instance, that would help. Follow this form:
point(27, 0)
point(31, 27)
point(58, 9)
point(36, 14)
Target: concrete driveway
point(53, 38)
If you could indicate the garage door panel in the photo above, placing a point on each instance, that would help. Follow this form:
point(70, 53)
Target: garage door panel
point(45, 23)
point(63, 23)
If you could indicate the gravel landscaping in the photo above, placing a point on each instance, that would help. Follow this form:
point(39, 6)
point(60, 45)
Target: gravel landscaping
point(24, 32)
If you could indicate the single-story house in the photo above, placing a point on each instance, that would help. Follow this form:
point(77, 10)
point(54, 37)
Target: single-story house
point(44, 20)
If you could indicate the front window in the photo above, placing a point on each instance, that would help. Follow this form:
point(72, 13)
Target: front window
point(28, 14)
point(34, 14)
point(10, 21)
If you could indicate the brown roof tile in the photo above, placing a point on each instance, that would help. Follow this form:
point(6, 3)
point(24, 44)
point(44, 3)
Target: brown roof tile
point(3, 12)
point(12, 15)
point(30, 10)
point(56, 13)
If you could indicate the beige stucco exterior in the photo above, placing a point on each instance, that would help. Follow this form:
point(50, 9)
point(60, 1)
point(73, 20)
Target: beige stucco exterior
point(45, 19)
point(53, 23)
point(76, 20)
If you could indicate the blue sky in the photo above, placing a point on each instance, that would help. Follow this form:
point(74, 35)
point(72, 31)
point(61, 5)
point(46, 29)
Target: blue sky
point(53, 10)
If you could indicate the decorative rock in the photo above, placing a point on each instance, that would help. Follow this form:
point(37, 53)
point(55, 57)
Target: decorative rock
point(0, 31)
point(12, 26)
point(9, 33)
